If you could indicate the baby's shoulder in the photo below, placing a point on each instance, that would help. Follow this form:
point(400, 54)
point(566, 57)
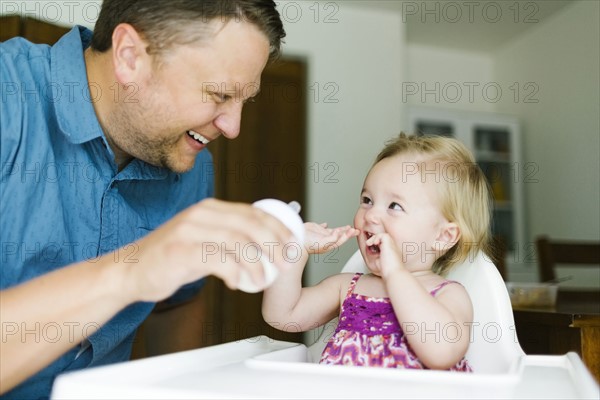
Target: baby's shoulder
point(342, 279)
point(346, 278)
point(446, 286)
point(453, 294)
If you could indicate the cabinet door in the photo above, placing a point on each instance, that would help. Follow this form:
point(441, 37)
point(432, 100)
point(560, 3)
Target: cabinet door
point(431, 121)
point(497, 151)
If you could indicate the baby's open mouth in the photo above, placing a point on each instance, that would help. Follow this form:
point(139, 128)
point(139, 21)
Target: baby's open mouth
point(373, 248)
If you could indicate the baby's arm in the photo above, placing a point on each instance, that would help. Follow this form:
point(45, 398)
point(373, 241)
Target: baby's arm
point(437, 328)
point(289, 307)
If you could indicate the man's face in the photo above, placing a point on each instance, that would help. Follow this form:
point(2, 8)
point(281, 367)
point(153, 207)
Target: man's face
point(195, 95)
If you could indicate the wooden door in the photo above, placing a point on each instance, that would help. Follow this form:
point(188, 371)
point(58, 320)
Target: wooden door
point(268, 159)
point(31, 29)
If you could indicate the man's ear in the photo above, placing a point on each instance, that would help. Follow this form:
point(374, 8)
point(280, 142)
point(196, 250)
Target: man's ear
point(447, 237)
point(130, 59)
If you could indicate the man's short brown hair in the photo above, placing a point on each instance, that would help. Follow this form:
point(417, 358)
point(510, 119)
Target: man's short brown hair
point(164, 23)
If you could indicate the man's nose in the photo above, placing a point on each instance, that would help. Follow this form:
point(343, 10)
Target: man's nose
point(229, 120)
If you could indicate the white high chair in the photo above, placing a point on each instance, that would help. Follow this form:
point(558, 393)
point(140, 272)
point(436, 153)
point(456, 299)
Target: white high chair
point(494, 346)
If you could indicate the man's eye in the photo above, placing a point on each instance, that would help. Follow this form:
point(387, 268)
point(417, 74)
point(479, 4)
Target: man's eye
point(221, 97)
point(396, 206)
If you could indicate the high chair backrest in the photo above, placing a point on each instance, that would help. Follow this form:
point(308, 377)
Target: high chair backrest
point(494, 346)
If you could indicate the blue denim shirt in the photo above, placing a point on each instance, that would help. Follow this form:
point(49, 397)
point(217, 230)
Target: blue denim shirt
point(62, 198)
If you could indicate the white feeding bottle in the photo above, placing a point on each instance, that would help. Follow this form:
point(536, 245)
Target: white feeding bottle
point(288, 215)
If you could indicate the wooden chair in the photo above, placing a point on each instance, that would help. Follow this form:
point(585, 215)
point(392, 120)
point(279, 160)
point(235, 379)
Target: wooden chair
point(570, 253)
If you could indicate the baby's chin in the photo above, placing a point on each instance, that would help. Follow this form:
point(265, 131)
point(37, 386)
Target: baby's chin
point(373, 269)
point(375, 273)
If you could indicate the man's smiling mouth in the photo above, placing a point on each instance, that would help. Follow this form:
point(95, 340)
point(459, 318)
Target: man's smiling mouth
point(198, 137)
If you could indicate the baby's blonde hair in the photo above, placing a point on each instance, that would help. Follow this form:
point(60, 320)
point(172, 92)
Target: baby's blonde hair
point(464, 191)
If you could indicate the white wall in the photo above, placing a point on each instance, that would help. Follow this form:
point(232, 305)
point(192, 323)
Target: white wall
point(446, 78)
point(555, 66)
point(561, 131)
point(549, 78)
point(361, 56)
point(560, 59)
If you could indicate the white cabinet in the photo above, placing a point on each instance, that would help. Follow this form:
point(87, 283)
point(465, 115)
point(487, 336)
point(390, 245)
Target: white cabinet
point(494, 139)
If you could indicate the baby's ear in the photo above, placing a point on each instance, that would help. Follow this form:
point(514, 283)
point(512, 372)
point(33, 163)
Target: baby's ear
point(448, 237)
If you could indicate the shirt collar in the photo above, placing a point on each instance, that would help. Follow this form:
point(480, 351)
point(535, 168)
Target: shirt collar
point(74, 107)
point(141, 170)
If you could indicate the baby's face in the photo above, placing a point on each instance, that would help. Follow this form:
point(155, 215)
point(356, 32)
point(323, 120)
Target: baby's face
point(402, 198)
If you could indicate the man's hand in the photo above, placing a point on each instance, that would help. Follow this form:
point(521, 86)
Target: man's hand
point(210, 238)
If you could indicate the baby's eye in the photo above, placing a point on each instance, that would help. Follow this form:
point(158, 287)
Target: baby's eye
point(396, 206)
point(365, 200)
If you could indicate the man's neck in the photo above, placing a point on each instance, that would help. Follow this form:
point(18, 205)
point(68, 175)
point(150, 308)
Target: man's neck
point(96, 65)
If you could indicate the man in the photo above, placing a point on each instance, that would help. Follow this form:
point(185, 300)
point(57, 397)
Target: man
point(103, 158)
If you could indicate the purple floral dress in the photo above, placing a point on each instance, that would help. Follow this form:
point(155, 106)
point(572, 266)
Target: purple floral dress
point(368, 334)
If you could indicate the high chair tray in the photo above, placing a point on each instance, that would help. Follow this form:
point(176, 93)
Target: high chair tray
point(261, 367)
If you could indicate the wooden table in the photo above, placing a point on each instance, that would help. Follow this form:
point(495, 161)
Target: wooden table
point(573, 325)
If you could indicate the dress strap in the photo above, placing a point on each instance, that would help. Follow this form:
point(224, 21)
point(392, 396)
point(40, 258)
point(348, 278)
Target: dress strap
point(352, 285)
point(439, 287)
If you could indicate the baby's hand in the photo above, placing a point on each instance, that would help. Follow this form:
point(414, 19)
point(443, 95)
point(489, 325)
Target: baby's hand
point(390, 257)
point(320, 239)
